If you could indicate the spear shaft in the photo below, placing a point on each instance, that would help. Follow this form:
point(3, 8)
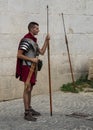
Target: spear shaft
point(49, 72)
point(66, 40)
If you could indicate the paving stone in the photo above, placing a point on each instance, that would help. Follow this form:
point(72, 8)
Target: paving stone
point(12, 112)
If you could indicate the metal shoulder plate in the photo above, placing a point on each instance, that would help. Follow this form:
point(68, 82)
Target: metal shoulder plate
point(25, 44)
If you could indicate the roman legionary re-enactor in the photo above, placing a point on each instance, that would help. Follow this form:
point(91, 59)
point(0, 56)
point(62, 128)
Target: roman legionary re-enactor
point(28, 52)
point(30, 47)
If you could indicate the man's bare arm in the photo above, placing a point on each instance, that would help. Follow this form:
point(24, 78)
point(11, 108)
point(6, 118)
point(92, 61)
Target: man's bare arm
point(43, 49)
point(20, 55)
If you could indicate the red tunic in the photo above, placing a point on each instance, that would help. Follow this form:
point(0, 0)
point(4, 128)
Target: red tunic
point(23, 70)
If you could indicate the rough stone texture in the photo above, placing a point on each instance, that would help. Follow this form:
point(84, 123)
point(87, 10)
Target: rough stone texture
point(90, 76)
point(63, 104)
point(14, 18)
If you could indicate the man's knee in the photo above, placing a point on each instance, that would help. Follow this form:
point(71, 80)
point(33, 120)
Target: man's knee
point(27, 87)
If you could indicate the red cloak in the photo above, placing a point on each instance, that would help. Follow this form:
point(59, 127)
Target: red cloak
point(21, 70)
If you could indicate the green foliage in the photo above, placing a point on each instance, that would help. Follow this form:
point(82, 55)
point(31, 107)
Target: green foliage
point(69, 88)
point(80, 84)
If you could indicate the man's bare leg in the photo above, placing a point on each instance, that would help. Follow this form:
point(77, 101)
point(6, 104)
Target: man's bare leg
point(29, 94)
point(26, 98)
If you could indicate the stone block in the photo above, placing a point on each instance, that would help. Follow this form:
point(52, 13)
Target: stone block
point(90, 74)
point(7, 66)
point(69, 6)
point(78, 24)
point(89, 7)
point(8, 45)
point(10, 88)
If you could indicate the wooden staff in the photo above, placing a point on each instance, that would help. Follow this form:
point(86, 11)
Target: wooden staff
point(48, 50)
point(66, 40)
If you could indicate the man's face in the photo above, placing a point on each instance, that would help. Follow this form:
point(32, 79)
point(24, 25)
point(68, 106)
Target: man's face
point(35, 30)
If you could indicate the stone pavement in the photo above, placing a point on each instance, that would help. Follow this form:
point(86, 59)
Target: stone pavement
point(11, 113)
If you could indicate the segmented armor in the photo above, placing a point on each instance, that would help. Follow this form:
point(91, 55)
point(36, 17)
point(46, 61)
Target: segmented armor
point(31, 49)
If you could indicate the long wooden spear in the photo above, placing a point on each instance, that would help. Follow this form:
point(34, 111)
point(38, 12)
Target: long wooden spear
point(66, 40)
point(48, 50)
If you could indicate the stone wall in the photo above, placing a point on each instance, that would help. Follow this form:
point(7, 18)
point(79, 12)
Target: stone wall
point(14, 18)
point(90, 76)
